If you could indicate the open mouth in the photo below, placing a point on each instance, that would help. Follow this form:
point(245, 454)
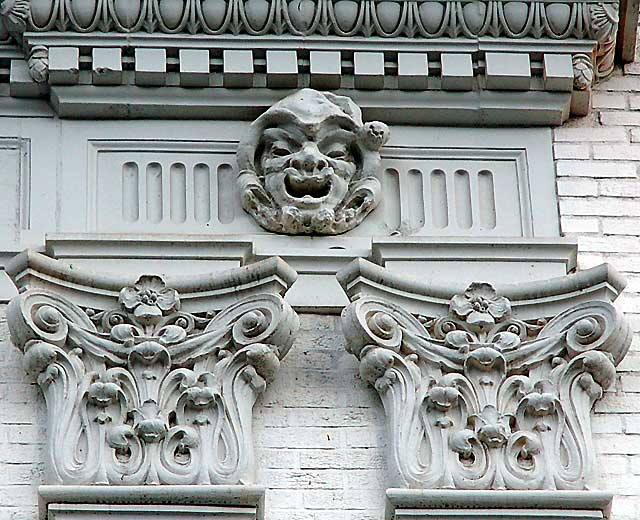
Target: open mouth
point(313, 187)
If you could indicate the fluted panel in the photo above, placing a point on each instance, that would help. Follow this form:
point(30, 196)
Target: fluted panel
point(486, 199)
point(454, 196)
point(202, 193)
point(154, 192)
point(178, 176)
point(226, 202)
point(392, 202)
point(130, 192)
point(439, 204)
point(186, 188)
point(464, 210)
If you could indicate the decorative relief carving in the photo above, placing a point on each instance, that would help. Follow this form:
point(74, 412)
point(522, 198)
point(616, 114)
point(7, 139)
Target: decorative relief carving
point(582, 71)
point(13, 18)
point(145, 393)
point(604, 23)
point(388, 19)
point(309, 165)
point(479, 399)
point(38, 63)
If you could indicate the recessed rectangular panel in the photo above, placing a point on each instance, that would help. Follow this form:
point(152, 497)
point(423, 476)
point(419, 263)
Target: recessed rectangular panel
point(435, 182)
point(14, 188)
point(458, 192)
point(177, 186)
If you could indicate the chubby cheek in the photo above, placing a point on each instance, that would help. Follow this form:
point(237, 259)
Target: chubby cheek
point(274, 164)
point(343, 169)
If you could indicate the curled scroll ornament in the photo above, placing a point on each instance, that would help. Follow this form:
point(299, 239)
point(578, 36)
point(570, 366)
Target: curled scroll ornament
point(480, 400)
point(147, 394)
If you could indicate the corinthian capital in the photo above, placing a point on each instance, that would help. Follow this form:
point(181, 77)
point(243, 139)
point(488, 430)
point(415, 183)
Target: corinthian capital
point(486, 393)
point(145, 392)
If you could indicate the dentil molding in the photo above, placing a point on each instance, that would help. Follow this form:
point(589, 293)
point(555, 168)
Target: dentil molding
point(555, 51)
point(142, 392)
point(482, 396)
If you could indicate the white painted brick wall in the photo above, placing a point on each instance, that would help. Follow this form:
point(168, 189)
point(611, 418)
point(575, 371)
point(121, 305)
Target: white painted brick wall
point(328, 428)
point(22, 422)
point(597, 161)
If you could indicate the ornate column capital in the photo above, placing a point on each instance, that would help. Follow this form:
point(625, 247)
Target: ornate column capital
point(479, 398)
point(142, 392)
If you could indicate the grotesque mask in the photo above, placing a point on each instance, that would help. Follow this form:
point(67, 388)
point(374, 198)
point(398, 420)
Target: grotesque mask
point(308, 165)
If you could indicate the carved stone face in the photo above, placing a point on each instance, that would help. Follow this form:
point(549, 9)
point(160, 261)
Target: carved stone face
point(309, 165)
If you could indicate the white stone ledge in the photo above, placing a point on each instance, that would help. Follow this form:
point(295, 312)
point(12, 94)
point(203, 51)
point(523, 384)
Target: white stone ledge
point(495, 505)
point(202, 502)
point(98, 289)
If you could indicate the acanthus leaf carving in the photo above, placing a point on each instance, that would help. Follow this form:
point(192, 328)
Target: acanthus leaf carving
point(478, 399)
point(38, 63)
point(147, 394)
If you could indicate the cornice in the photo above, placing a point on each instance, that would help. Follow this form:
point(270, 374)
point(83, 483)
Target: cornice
point(553, 51)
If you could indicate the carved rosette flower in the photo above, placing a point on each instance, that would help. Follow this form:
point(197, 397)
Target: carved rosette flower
point(480, 306)
point(149, 299)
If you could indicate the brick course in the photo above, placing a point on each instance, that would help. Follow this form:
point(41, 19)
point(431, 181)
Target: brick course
point(599, 154)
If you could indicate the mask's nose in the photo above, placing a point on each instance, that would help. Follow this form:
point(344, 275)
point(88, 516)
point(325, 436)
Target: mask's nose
point(309, 159)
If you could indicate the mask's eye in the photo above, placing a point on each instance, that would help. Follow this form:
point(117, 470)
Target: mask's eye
point(337, 154)
point(278, 151)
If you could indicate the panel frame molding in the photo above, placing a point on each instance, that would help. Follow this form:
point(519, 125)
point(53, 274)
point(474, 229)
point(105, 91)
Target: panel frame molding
point(23, 178)
point(96, 146)
point(516, 155)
